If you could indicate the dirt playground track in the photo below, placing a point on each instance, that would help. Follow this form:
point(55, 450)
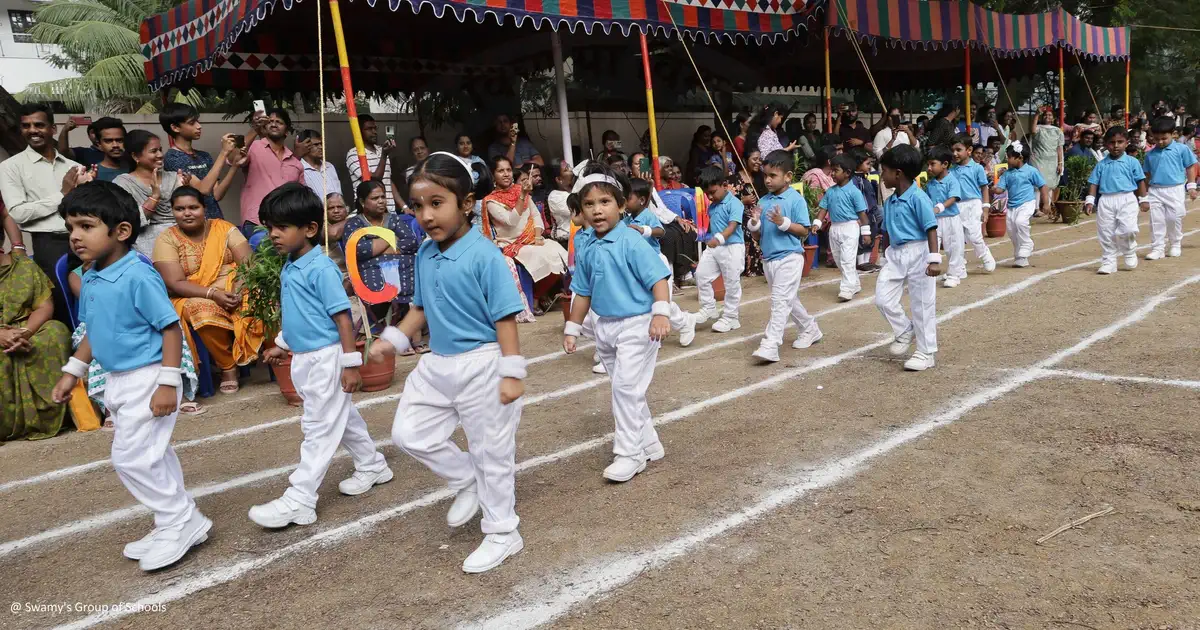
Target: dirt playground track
point(831, 490)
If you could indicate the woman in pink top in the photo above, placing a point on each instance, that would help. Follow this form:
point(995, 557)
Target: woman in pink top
point(268, 164)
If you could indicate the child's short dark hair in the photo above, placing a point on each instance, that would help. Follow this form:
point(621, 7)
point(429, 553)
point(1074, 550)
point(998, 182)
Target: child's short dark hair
point(1163, 124)
point(293, 204)
point(106, 201)
point(186, 191)
point(963, 140)
point(1116, 132)
point(176, 114)
point(711, 176)
point(845, 162)
point(940, 154)
point(903, 158)
point(859, 155)
point(781, 160)
point(640, 187)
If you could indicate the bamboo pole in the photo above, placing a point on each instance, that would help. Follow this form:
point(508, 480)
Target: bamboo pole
point(1062, 90)
point(828, 88)
point(967, 83)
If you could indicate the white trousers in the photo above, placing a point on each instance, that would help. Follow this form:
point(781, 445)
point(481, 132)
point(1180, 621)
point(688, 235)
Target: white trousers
point(971, 214)
point(141, 448)
point(678, 318)
point(950, 234)
point(843, 240)
point(629, 355)
point(783, 277)
point(1018, 228)
point(1168, 204)
point(445, 391)
point(330, 419)
point(727, 262)
point(905, 265)
point(1116, 224)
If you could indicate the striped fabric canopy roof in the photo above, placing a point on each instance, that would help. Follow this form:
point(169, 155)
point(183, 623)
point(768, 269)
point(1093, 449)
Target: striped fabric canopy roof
point(955, 23)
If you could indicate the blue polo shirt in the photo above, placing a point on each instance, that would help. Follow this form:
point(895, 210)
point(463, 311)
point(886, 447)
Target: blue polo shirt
point(1168, 167)
point(618, 271)
point(720, 215)
point(939, 190)
point(311, 293)
point(776, 243)
point(464, 290)
point(647, 217)
point(970, 179)
point(126, 308)
point(909, 216)
point(844, 203)
point(1119, 175)
point(1022, 185)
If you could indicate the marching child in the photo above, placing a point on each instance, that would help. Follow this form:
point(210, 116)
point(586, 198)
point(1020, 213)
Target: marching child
point(974, 198)
point(619, 276)
point(645, 221)
point(318, 332)
point(140, 345)
point(782, 241)
point(912, 259)
point(845, 209)
point(1172, 179)
point(725, 255)
point(583, 237)
point(475, 373)
point(943, 190)
point(1024, 185)
point(1116, 178)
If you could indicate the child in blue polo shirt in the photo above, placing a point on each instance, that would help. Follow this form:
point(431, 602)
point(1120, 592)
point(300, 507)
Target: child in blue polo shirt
point(140, 345)
point(725, 254)
point(782, 242)
point(1172, 180)
point(974, 198)
point(1117, 178)
point(475, 374)
point(912, 259)
point(643, 219)
point(318, 332)
point(844, 208)
point(944, 191)
point(1025, 185)
point(619, 277)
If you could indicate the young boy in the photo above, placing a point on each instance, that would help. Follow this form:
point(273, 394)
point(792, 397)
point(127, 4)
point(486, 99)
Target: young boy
point(318, 332)
point(870, 192)
point(974, 198)
point(782, 242)
point(643, 219)
point(845, 208)
point(140, 345)
point(182, 124)
point(1172, 180)
point(943, 190)
point(912, 259)
point(725, 255)
point(1116, 178)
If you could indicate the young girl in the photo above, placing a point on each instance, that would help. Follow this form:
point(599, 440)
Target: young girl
point(623, 280)
point(1024, 185)
point(721, 155)
point(377, 261)
point(475, 374)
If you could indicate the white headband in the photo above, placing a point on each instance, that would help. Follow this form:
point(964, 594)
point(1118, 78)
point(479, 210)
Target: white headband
point(578, 170)
point(1017, 146)
point(595, 178)
point(457, 158)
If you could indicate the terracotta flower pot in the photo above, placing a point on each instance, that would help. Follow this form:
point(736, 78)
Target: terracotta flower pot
point(997, 225)
point(376, 376)
point(283, 376)
point(1069, 211)
point(810, 254)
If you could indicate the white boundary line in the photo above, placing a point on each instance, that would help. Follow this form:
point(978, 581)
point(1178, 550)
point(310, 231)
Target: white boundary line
point(230, 572)
point(600, 579)
point(1112, 378)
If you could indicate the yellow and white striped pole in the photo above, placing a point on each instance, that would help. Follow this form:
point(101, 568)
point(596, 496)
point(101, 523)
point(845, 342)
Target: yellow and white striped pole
point(351, 110)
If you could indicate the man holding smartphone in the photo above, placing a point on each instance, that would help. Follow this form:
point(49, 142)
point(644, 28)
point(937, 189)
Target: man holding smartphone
point(512, 145)
point(379, 161)
point(896, 132)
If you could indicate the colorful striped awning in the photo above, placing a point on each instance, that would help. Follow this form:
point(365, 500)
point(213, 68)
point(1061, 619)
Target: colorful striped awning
point(955, 23)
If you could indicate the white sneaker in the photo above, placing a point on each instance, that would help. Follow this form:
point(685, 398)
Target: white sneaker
point(1175, 252)
point(702, 316)
point(138, 548)
point(492, 551)
point(1131, 261)
point(1155, 255)
point(1107, 268)
point(767, 352)
point(360, 482)
point(900, 345)
point(845, 296)
point(282, 512)
point(595, 357)
point(624, 468)
point(950, 282)
point(919, 362)
point(989, 265)
point(171, 544)
point(808, 337)
point(464, 508)
point(725, 325)
point(655, 452)
point(599, 368)
point(1021, 263)
point(687, 334)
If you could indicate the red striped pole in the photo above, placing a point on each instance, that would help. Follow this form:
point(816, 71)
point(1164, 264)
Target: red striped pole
point(351, 109)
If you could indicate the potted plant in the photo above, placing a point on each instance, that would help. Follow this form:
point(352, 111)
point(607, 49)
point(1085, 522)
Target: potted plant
point(812, 197)
point(260, 278)
point(1076, 171)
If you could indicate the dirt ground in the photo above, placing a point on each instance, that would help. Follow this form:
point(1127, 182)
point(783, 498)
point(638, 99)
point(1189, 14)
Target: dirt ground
point(832, 490)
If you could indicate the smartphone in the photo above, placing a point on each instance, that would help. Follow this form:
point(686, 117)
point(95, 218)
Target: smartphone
point(516, 128)
point(390, 131)
point(260, 107)
point(239, 141)
point(644, 165)
point(81, 121)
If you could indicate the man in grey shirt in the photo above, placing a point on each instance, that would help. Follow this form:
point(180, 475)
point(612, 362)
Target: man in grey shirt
point(512, 145)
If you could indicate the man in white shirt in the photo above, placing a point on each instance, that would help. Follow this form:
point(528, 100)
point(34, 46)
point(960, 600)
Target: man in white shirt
point(378, 161)
point(894, 134)
point(320, 176)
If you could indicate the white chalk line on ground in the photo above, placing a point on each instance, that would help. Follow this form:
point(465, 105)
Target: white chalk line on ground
point(601, 579)
point(370, 402)
point(1115, 378)
point(230, 572)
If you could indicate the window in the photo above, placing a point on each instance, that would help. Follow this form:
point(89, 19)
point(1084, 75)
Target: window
point(22, 22)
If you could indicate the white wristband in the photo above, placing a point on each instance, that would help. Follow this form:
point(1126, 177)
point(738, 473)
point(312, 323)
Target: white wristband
point(988, 205)
point(572, 329)
point(661, 308)
point(864, 230)
point(754, 225)
point(719, 237)
point(816, 225)
point(940, 208)
point(169, 376)
point(1089, 200)
point(1142, 200)
point(1190, 187)
point(787, 223)
point(75, 368)
point(512, 366)
point(279, 343)
point(647, 231)
point(933, 259)
point(350, 360)
point(398, 339)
